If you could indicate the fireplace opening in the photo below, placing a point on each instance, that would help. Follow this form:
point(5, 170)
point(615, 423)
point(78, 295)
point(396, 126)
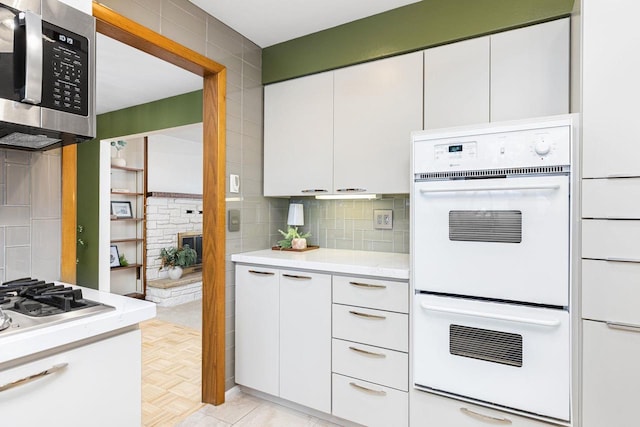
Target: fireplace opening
point(194, 240)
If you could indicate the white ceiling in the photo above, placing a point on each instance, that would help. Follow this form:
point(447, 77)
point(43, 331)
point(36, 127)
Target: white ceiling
point(268, 22)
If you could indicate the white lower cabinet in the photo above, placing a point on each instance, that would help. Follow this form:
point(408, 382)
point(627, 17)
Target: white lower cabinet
point(429, 409)
point(283, 334)
point(97, 384)
point(369, 404)
point(610, 378)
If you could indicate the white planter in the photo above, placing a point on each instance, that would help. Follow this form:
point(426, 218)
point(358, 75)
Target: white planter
point(175, 273)
point(299, 243)
point(118, 161)
point(163, 273)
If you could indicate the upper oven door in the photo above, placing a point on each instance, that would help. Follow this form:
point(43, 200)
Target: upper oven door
point(502, 238)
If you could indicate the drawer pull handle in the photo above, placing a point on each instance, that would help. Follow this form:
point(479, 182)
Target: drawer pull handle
point(351, 190)
point(368, 353)
point(367, 285)
point(486, 418)
point(368, 390)
point(621, 260)
point(623, 327)
point(315, 190)
point(368, 316)
point(264, 273)
point(25, 380)
point(293, 276)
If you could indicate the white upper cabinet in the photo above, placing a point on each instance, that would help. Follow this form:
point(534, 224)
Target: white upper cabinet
point(610, 69)
point(530, 71)
point(376, 106)
point(456, 84)
point(298, 136)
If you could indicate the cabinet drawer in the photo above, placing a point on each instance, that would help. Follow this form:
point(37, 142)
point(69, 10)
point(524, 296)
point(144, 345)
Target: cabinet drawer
point(375, 327)
point(372, 293)
point(611, 198)
point(377, 365)
point(433, 410)
point(610, 378)
point(610, 291)
point(611, 239)
point(369, 404)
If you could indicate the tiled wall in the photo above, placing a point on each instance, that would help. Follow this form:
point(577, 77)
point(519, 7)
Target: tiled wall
point(348, 224)
point(187, 24)
point(30, 186)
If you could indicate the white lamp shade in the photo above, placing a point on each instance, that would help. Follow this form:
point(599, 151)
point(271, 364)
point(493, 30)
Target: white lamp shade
point(296, 214)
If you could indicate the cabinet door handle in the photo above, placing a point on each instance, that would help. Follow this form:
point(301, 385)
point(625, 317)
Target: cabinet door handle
point(315, 190)
point(368, 316)
point(368, 353)
point(368, 390)
point(367, 285)
point(25, 380)
point(351, 190)
point(264, 273)
point(294, 276)
point(486, 418)
point(623, 327)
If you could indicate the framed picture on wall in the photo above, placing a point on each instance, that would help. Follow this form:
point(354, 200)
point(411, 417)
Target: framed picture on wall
point(121, 209)
point(114, 257)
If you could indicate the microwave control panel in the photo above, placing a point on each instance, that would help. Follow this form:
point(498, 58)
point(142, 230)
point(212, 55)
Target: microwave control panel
point(544, 146)
point(65, 79)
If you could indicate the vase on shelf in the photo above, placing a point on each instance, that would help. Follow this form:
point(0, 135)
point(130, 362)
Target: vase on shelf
point(118, 161)
point(175, 273)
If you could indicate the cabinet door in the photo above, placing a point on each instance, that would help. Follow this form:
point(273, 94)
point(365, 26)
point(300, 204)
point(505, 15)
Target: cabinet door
point(611, 378)
point(298, 136)
point(257, 306)
point(376, 106)
point(100, 386)
point(610, 90)
point(305, 339)
point(530, 71)
point(456, 84)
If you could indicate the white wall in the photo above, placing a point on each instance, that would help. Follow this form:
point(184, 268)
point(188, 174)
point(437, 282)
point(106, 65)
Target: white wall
point(175, 165)
point(83, 5)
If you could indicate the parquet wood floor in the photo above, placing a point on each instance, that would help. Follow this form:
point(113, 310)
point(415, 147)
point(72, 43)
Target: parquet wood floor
point(171, 372)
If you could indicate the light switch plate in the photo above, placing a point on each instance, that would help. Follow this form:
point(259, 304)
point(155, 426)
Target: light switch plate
point(383, 219)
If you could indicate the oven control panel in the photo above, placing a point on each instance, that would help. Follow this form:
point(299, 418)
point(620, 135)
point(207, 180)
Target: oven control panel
point(492, 149)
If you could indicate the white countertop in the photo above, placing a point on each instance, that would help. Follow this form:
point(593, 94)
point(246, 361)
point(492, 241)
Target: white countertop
point(128, 311)
point(366, 263)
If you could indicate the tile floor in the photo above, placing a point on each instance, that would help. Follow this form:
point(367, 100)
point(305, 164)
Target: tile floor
point(171, 380)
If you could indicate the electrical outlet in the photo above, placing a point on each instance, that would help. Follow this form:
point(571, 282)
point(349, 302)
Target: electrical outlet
point(383, 219)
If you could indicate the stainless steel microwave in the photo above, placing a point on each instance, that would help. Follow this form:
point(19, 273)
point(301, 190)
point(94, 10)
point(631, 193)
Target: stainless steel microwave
point(47, 75)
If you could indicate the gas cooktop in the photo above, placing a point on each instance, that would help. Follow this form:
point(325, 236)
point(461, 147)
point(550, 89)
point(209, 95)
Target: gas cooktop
point(31, 303)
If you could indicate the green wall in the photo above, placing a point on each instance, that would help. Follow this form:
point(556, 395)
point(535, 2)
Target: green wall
point(166, 113)
point(413, 27)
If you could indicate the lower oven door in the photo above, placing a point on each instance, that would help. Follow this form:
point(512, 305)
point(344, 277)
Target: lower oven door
point(508, 355)
point(500, 238)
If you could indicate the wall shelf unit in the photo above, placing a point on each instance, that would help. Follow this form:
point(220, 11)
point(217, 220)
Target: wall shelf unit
point(128, 185)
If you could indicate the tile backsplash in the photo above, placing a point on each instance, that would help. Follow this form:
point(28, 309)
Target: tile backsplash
point(348, 224)
point(30, 214)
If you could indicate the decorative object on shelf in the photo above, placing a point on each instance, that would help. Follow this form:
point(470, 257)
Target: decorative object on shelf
point(114, 257)
point(174, 259)
point(121, 209)
point(292, 238)
point(118, 161)
point(123, 261)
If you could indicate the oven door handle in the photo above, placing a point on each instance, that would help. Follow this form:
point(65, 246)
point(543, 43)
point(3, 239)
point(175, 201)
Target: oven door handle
point(509, 188)
point(526, 320)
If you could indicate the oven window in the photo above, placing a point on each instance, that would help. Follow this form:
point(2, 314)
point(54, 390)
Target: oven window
point(485, 226)
point(484, 344)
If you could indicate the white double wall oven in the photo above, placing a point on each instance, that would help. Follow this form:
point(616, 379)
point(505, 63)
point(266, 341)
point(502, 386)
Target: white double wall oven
point(491, 264)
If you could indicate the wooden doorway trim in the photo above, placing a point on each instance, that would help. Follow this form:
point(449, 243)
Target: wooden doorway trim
point(133, 34)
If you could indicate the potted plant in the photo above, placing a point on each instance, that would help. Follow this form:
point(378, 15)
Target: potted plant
point(293, 239)
point(118, 161)
point(174, 259)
